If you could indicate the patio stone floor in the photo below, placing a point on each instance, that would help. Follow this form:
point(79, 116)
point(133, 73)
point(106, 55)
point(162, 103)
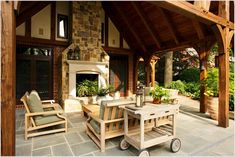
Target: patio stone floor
point(199, 135)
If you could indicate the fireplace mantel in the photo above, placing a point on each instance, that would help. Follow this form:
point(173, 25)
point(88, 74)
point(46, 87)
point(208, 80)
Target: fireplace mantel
point(87, 67)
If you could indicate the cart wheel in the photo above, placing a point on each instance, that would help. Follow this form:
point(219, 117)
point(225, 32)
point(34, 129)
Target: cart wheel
point(175, 145)
point(143, 153)
point(124, 145)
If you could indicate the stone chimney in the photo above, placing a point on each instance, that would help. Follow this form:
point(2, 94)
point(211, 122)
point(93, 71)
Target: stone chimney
point(86, 29)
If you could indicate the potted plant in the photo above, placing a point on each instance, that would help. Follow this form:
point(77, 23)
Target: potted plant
point(86, 90)
point(211, 84)
point(102, 93)
point(157, 93)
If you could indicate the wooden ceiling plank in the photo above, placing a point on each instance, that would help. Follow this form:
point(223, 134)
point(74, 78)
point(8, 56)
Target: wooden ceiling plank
point(30, 12)
point(189, 10)
point(169, 25)
point(123, 17)
point(146, 24)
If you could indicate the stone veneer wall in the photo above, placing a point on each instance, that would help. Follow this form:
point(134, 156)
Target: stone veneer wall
point(86, 29)
point(86, 32)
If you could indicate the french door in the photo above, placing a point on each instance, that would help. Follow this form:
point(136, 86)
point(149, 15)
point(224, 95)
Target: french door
point(34, 71)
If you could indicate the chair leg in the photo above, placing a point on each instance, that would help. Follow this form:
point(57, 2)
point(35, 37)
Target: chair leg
point(26, 128)
point(102, 137)
point(66, 126)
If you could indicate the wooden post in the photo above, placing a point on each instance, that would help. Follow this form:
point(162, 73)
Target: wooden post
point(153, 63)
point(168, 68)
point(8, 85)
point(147, 71)
point(224, 36)
point(203, 56)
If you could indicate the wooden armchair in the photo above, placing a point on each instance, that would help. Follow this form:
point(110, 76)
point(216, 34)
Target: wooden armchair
point(41, 114)
point(108, 123)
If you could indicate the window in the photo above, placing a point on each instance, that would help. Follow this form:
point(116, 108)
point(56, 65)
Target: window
point(62, 26)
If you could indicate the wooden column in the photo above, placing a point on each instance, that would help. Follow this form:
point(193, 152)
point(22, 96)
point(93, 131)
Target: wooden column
point(153, 63)
point(168, 68)
point(8, 85)
point(224, 36)
point(203, 56)
point(147, 71)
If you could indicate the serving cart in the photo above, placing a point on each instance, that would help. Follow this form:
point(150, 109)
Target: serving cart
point(145, 136)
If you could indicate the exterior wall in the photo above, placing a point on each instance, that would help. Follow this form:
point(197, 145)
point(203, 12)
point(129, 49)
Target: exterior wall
point(20, 30)
point(114, 35)
point(41, 24)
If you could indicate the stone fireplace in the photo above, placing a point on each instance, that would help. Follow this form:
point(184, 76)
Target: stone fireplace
point(85, 34)
point(89, 68)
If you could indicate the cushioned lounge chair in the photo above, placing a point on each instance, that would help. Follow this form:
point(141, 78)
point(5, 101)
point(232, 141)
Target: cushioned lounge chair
point(42, 114)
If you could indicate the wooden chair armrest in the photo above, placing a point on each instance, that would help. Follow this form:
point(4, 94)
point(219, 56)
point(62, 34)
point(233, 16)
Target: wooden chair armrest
point(48, 101)
point(55, 106)
point(43, 113)
point(113, 120)
point(95, 117)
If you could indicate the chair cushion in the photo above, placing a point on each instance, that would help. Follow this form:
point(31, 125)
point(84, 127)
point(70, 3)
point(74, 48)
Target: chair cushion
point(41, 120)
point(34, 103)
point(95, 125)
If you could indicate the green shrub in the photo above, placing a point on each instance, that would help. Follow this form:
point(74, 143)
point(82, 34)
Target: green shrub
point(192, 89)
point(87, 88)
point(211, 82)
point(105, 91)
point(179, 85)
point(190, 75)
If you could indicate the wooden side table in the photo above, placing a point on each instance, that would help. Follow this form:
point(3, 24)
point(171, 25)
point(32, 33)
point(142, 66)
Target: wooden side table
point(90, 108)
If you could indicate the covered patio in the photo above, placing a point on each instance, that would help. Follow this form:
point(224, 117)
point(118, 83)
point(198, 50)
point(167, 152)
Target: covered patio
point(149, 28)
point(197, 139)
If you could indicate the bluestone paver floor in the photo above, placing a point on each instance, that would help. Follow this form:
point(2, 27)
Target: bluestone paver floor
point(199, 135)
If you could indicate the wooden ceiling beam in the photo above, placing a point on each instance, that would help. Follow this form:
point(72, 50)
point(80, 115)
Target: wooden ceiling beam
point(183, 45)
point(169, 25)
point(200, 32)
point(189, 10)
point(123, 17)
point(30, 12)
point(141, 14)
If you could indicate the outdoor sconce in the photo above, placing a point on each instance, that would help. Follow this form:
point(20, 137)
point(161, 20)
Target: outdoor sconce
point(140, 96)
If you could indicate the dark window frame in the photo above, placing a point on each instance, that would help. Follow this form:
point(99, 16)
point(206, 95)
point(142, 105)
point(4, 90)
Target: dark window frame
point(66, 29)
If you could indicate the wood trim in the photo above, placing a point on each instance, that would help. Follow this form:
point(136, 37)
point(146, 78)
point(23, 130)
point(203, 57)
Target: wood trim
point(38, 41)
point(169, 25)
point(31, 11)
point(123, 17)
point(53, 16)
point(8, 79)
point(118, 50)
point(146, 24)
point(28, 28)
point(189, 10)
